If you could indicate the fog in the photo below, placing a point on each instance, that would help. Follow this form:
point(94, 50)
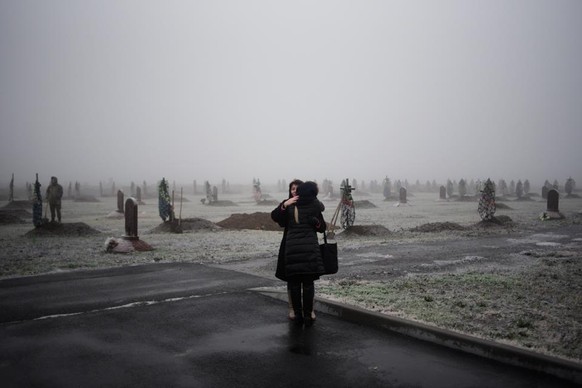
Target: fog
point(210, 90)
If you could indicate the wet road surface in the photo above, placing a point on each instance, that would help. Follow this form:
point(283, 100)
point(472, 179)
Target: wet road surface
point(188, 325)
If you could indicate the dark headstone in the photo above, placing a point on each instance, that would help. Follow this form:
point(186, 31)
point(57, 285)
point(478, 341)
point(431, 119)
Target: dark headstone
point(11, 190)
point(138, 194)
point(403, 195)
point(553, 201)
point(443, 192)
point(131, 219)
point(120, 201)
point(552, 212)
point(130, 241)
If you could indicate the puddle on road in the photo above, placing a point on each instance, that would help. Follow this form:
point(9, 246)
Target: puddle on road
point(259, 339)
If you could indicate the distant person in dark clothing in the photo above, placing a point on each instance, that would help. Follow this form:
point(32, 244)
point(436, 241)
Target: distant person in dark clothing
point(54, 193)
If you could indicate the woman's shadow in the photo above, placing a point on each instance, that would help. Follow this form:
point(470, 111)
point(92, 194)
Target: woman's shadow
point(301, 339)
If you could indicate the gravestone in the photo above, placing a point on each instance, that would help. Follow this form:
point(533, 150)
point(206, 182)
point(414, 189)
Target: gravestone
point(131, 219)
point(545, 192)
point(120, 201)
point(129, 242)
point(553, 209)
point(553, 201)
point(208, 189)
point(138, 194)
point(443, 192)
point(11, 190)
point(403, 195)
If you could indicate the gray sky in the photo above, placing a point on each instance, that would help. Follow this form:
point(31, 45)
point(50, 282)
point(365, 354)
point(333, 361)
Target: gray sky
point(134, 90)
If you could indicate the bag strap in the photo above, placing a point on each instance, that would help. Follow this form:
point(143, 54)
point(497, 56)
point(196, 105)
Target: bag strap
point(324, 238)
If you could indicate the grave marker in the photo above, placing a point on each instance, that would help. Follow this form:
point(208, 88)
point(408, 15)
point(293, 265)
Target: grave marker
point(131, 219)
point(120, 201)
point(553, 201)
point(552, 209)
point(443, 192)
point(130, 241)
point(402, 195)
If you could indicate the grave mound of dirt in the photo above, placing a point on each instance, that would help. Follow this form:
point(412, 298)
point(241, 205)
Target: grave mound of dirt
point(192, 224)
point(8, 217)
point(20, 204)
point(498, 221)
point(186, 225)
point(255, 221)
point(365, 230)
point(502, 206)
point(53, 229)
point(17, 212)
point(365, 204)
point(437, 227)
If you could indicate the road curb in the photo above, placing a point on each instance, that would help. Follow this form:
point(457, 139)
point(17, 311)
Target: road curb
point(562, 368)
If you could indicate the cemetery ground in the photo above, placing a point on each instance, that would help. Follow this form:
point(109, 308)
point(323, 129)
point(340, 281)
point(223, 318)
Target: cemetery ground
point(518, 282)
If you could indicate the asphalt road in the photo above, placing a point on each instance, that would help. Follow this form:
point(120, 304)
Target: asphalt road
point(188, 325)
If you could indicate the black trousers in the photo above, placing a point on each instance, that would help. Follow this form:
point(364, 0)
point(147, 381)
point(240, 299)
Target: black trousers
point(55, 208)
point(302, 301)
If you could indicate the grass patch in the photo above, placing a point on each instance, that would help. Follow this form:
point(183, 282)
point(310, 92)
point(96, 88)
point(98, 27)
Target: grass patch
point(539, 308)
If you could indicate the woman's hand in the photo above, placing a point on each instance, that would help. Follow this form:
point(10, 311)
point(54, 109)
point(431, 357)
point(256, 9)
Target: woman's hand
point(290, 201)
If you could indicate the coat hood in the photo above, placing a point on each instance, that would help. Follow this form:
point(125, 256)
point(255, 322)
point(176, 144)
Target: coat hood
point(307, 192)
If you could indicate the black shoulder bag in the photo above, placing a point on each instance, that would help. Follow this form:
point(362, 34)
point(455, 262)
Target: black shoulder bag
point(329, 255)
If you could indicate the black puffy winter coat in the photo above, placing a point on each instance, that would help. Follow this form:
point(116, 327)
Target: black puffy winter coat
point(302, 254)
point(280, 217)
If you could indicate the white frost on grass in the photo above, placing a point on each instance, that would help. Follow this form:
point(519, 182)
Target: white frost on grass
point(548, 244)
point(444, 263)
point(373, 254)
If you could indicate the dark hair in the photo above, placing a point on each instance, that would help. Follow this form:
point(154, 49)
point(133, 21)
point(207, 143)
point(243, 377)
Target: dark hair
point(297, 182)
point(307, 191)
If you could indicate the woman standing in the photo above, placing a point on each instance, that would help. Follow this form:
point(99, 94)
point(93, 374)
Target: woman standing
point(279, 215)
point(303, 262)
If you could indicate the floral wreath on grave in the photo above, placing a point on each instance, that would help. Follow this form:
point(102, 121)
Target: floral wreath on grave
point(164, 200)
point(37, 204)
point(487, 205)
